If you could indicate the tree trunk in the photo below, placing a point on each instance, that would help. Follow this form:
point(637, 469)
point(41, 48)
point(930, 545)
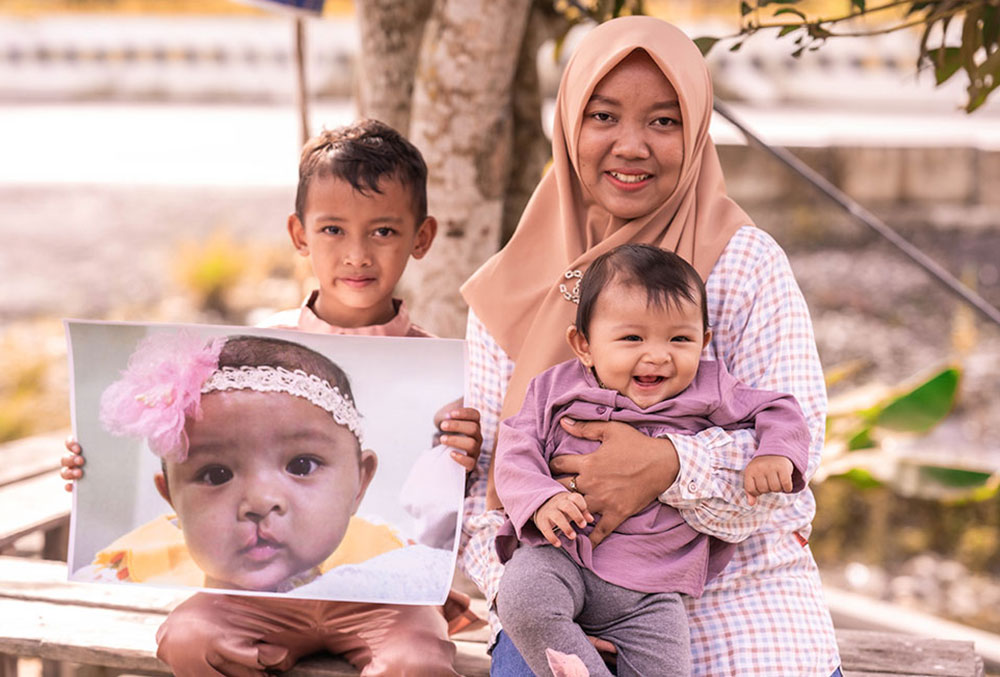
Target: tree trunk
point(391, 32)
point(461, 120)
point(533, 147)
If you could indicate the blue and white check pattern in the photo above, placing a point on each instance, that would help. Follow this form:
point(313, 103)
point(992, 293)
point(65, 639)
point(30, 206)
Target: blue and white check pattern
point(765, 614)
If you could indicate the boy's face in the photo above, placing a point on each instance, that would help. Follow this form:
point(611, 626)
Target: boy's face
point(268, 487)
point(643, 351)
point(358, 246)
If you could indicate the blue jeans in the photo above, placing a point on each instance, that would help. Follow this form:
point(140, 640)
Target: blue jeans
point(505, 661)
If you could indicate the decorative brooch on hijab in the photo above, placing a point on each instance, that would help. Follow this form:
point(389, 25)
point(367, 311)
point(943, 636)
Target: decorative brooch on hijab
point(574, 293)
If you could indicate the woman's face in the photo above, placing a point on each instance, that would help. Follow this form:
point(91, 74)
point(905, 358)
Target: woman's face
point(631, 143)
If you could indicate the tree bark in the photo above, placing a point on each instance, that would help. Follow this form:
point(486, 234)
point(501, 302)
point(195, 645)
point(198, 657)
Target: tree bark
point(391, 33)
point(533, 149)
point(461, 120)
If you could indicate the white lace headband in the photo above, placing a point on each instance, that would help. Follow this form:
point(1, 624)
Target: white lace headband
point(310, 387)
point(167, 375)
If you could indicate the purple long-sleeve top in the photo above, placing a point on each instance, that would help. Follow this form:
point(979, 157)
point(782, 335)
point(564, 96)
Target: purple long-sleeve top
point(654, 550)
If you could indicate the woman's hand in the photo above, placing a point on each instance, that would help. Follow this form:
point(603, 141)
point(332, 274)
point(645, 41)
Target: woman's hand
point(458, 428)
point(624, 475)
point(72, 463)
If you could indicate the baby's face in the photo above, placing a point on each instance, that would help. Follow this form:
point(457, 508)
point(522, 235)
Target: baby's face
point(268, 487)
point(646, 352)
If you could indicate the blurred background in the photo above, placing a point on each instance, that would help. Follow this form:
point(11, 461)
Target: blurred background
point(148, 159)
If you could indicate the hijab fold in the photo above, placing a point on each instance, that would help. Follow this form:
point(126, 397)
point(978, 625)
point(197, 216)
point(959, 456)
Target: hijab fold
point(516, 293)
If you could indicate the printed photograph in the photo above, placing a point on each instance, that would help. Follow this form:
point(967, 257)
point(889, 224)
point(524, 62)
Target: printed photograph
point(264, 461)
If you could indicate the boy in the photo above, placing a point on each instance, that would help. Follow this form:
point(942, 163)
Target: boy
point(360, 213)
point(640, 329)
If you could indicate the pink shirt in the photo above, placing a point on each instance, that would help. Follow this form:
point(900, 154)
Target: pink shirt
point(654, 550)
point(305, 318)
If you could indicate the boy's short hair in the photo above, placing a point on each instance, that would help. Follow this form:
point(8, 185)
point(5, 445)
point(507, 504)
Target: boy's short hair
point(666, 277)
point(362, 154)
point(264, 351)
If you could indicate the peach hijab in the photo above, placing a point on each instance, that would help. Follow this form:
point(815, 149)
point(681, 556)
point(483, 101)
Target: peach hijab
point(517, 292)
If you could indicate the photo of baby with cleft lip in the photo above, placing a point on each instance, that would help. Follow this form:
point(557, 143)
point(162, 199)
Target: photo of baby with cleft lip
point(263, 463)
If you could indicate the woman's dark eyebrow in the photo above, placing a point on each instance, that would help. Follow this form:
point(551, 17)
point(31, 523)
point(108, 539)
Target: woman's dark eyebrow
point(672, 104)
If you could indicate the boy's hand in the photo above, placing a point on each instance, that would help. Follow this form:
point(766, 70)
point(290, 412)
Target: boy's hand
point(459, 429)
point(72, 463)
point(765, 475)
point(557, 514)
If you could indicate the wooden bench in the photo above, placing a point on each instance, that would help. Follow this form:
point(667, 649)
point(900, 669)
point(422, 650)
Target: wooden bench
point(32, 498)
point(113, 627)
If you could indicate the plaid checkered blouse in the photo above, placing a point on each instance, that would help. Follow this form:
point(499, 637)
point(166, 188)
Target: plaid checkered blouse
point(765, 614)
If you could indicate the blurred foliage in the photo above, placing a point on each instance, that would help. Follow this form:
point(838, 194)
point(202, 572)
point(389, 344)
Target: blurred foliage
point(209, 269)
point(878, 526)
point(866, 442)
point(33, 383)
point(976, 51)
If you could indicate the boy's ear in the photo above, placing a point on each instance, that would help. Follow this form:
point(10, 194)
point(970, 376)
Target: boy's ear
point(367, 465)
point(424, 237)
point(297, 232)
point(579, 345)
point(708, 338)
point(160, 480)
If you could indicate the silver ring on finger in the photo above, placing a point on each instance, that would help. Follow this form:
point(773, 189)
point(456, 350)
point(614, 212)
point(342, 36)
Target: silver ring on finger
point(572, 484)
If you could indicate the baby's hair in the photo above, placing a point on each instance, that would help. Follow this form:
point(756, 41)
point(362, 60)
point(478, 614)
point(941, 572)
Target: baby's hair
point(666, 277)
point(362, 154)
point(263, 351)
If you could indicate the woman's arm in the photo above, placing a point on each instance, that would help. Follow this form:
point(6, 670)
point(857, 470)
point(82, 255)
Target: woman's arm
point(762, 332)
point(488, 372)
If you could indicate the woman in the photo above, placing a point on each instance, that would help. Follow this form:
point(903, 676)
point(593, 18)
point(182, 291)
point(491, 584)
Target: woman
point(633, 162)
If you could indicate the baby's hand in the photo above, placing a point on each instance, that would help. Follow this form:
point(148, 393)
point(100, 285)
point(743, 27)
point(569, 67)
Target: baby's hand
point(72, 463)
point(767, 474)
point(558, 512)
point(459, 428)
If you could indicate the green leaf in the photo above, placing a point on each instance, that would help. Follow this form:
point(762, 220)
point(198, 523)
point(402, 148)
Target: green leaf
point(861, 440)
point(918, 7)
point(954, 478)
point(858, 4)
point(705, 44)
point(923, 407)
point(786, 30)
point(797, 53)
point(861, 478)
point(946, 60)
point(736, 47)
point(790, 10)
point(745, 8)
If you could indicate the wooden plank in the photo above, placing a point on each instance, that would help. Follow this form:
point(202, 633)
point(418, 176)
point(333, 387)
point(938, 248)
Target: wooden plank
point(35, 504)
point(38, 580)
point(80, 634)
point(42, 615)
point(884, 653)
point(31, 456)
point(126, 640)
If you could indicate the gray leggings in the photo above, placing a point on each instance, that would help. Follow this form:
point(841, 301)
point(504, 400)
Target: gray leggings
point(546, 600)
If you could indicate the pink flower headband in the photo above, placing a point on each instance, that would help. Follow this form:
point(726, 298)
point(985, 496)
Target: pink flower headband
point(167, 375)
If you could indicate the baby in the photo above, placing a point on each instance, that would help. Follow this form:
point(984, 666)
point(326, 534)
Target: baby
point(263, 464)
point(640, 330)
